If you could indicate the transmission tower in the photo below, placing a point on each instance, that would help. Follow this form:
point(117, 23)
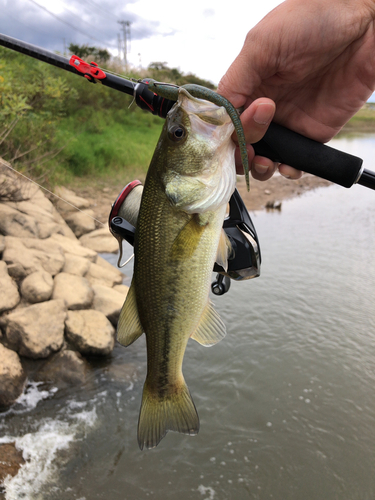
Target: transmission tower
point(124, 42)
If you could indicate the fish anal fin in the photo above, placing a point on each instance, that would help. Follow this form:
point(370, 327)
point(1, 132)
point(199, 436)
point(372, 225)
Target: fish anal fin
point(187, 240)
point(211, 328)
point(174, 411)
point(223, 251)
point(129, 327)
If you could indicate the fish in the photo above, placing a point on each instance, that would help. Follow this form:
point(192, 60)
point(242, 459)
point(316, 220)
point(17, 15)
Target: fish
point(178, 238)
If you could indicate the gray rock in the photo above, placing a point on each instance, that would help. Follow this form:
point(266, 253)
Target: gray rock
point(76, 265)
point(64, 369)
point(73, 247)
point(9, 296)
point(37, 331)
point(76, 291)
point(12, 377)
point(123, 289)
point(11, 460)
point(11, 184)
point(108, 301)
point(47, 219)
point(2, 244)
point(90, 332)
point(28, 255)
point(69, 201)
point(14, 223)
point(100, 240)
point(81, 222)
point(37, 287)
point(108, 276)
point(107, 265)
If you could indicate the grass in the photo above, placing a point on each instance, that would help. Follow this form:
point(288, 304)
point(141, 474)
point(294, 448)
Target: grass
point(108, 143)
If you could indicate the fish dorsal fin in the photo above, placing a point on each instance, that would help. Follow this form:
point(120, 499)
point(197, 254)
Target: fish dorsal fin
point(211, 328)
point(187, 240)
point(129, 327)
point(223, 251)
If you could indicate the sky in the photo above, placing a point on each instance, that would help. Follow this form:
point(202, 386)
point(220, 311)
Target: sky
point(197, 36)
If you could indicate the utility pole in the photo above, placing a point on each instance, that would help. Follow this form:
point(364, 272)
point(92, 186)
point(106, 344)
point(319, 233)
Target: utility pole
point(123, 44)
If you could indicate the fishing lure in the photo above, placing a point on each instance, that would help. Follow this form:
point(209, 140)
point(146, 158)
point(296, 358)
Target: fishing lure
point(170, 91)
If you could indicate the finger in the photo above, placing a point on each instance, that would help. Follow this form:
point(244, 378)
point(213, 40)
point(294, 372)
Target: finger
point(290, 172)
point(262, 168)
point(256, 119)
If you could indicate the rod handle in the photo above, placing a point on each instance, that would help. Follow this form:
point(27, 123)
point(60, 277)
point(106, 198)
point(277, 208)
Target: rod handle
point(285, 146)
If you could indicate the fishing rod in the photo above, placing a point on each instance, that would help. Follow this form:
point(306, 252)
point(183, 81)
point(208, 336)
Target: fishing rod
point(279, 143)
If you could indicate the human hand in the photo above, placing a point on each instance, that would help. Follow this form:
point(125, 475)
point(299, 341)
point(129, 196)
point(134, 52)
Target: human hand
point(315, 60)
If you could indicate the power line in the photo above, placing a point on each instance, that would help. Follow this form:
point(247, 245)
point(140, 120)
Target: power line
point(70, 25)
point(108, 14)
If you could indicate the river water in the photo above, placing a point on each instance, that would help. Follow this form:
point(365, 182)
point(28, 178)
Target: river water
point(286, 401)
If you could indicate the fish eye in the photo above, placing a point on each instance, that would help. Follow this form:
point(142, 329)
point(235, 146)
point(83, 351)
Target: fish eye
point(177, 133)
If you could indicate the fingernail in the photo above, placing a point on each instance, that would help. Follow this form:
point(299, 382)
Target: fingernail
point(264, 113)
point(261, 169)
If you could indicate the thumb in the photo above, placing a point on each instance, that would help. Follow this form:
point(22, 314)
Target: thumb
point(256, 119)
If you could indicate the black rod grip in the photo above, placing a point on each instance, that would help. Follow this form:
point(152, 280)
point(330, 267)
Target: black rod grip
point(285, 146)
point(367, 179)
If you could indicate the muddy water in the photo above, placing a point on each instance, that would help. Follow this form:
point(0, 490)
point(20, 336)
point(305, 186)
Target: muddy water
point(286, 400)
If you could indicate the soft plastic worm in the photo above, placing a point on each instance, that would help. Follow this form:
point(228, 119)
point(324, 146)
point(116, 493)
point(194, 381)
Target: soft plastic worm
point(169, 91)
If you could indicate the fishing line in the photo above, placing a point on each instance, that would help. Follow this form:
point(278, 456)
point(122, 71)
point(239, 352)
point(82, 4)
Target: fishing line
point(53, 194)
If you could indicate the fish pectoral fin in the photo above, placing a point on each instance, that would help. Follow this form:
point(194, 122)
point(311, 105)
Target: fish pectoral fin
point(129, 327)
point(173, 412)
point(187, 240)
point(223, 251)
point(211, 328)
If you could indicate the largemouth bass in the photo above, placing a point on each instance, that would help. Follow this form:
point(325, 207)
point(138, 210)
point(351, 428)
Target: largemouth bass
point(178, 237)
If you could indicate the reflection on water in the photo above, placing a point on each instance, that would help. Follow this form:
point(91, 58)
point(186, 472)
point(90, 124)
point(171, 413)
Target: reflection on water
point(286, 400)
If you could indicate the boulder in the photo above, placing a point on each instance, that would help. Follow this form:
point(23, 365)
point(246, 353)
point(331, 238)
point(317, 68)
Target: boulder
point(11, 460)
point(123, 289)
point(64, 369)
point(15, 223)
point(100, 275)
point(73, 247)
point(108, 301)
point(90, 332)
point(48, 220)
point(37, 287)
point(68, 201)
point(28, 255)
point(81, 222)
point(12, 185)
point(76, 291)
point(76, 265)
point(100, 240)
point(107, 265)
point(12, 377)
point(9, 296)
point(2, 244)
point(37, 331)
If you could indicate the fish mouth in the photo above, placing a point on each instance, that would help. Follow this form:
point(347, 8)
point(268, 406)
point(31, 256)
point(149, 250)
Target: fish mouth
point(207, 111)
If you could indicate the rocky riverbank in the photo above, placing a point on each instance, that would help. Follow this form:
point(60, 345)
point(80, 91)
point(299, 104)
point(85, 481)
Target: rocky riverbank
point(59, 300)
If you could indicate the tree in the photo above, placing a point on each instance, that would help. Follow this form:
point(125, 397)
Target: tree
point(87, 52)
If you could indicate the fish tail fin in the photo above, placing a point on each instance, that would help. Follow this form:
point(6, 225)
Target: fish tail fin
point(159, 414)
